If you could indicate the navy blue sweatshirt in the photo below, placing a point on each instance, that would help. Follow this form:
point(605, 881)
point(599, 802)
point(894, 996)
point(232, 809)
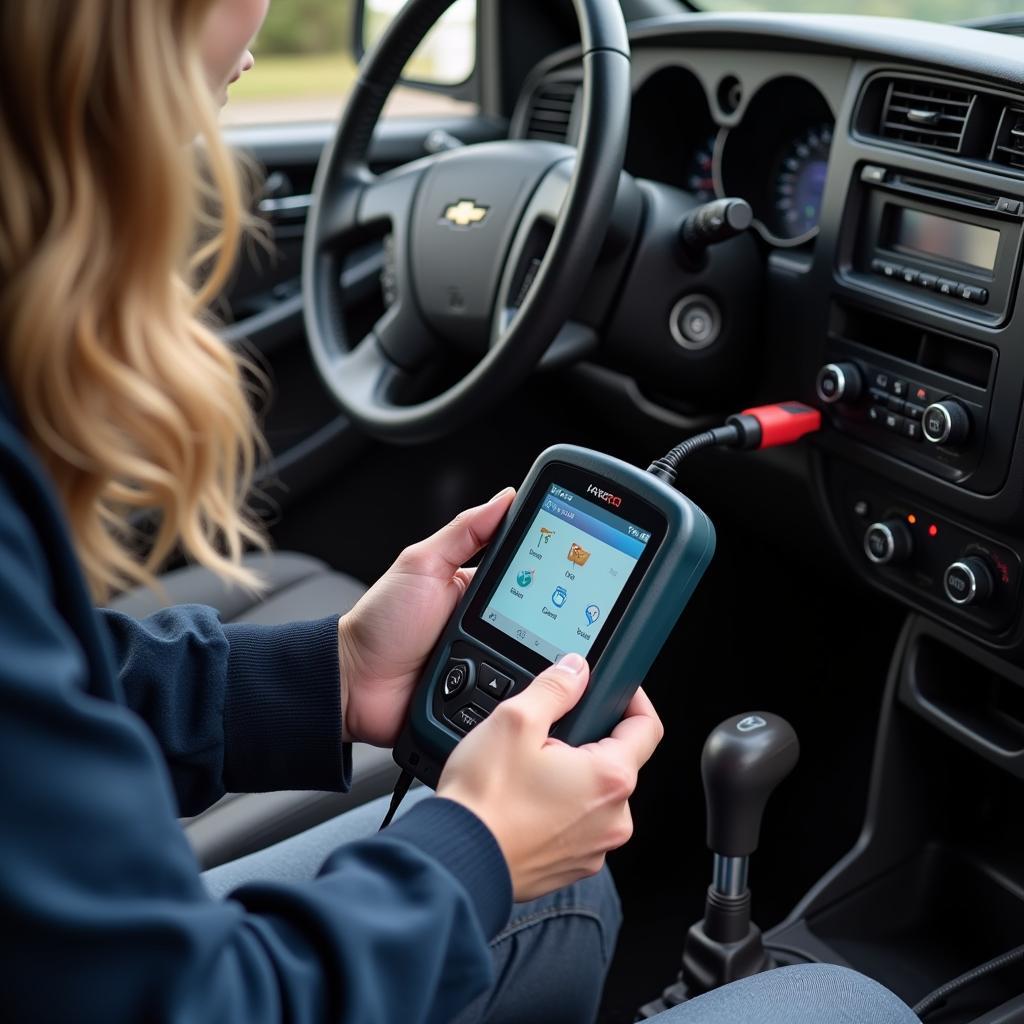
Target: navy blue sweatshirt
point(110, 728)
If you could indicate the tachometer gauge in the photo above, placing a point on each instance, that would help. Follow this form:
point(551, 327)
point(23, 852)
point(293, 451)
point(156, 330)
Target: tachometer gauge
point(800, 183)
point(698, 178)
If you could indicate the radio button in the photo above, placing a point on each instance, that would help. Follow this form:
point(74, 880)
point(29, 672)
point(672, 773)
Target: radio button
point(909, 276)
point(1011, 206)
point(911, 430)
point(929, 281)
point(946, 422)
point(838, 382)
point(886, 268)
point(947, 287)
point(973, 294)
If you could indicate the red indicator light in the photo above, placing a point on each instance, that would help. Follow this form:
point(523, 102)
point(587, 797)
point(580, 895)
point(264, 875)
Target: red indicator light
point(933, 530)
point(921, 394)
point(912, 519)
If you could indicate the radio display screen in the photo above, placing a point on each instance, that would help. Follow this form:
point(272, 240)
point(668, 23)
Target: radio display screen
point(925, 233)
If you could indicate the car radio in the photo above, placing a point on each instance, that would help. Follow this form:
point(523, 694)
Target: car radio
point(935, 244)
point(595, 557)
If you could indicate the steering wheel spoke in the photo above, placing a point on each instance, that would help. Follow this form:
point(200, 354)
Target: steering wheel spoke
point(365, 202)
point(473, 232)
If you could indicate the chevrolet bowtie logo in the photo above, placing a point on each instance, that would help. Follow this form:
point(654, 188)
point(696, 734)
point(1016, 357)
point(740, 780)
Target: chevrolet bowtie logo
point(465, 213)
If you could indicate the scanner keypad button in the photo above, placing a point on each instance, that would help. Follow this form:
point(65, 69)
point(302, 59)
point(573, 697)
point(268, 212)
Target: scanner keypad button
point(468, 717)
point(457, 678)
point(493, 682)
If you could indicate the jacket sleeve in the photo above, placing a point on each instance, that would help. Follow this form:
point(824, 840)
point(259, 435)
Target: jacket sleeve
point(235, 708)
point(105, 916)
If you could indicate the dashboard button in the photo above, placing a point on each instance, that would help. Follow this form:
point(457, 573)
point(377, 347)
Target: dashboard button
point(892, 421)
point(921, 394)
point(468, 717)
point(880, 380)
point(887, 542)
point(494, 683)
point(895, 404)
point(873, 173)
point(839, 382)
point(929, 281)
point(876, 414)
point(1012, 206)
point(968, 581)
point(898, 387)
point(947, 287)
point(909, 275)
point(878, 395)
point(457, 678)
point(911, 430)
point(913, 410)
point(971, 293)
point(946, 422)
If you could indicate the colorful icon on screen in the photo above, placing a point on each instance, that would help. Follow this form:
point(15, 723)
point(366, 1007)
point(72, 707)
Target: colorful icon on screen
point(593, 613)
point(525, 577)
point(578, 556)
point(545, 535)
point(558, 598)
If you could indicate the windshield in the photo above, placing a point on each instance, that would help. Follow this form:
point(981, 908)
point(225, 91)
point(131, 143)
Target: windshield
point(926, 10)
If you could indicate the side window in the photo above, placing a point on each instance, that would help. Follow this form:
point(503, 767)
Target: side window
point(305, 65)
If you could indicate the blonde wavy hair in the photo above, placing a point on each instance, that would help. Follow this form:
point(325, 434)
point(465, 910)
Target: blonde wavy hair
point(116, 233)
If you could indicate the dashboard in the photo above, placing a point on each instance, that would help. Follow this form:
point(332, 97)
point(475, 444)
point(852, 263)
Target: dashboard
point(884, 164)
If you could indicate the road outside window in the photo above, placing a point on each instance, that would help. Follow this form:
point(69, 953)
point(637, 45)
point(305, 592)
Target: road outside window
point(305, 69)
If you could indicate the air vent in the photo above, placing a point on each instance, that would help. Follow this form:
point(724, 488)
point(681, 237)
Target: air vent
point(1008, 148)
point(551, 112)
point(932, 115)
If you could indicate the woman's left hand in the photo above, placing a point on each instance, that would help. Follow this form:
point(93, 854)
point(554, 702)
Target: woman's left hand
point(385, 639)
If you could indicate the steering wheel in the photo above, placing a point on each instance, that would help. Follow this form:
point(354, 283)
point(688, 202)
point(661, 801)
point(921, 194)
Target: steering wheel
point(491, 245)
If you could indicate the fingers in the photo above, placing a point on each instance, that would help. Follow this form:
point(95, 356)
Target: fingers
point(553, 694)
point(638, 734)
point(442, 553)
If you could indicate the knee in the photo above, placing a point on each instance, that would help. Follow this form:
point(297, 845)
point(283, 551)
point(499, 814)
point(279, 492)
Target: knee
point(599, 895)
point(823, 992)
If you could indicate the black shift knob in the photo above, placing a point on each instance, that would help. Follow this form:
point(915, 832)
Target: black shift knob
point(744, 759)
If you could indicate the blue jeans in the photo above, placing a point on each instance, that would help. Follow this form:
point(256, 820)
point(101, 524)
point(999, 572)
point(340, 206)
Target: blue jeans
point(551, 958)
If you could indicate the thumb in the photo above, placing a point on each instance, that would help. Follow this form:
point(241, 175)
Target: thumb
point(556, 691)
point(465, 535)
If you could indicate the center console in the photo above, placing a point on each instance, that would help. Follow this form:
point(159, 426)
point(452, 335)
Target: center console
point(920, 378)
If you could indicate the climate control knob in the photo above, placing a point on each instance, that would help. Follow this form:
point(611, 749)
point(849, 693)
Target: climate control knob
point(969, 581)
point(946, 422)
point(888, 542)
point(839, 382)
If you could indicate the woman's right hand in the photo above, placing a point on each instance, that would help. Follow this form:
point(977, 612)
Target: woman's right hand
point(555, 810)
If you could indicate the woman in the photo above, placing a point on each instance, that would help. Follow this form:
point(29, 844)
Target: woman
point(116, 397)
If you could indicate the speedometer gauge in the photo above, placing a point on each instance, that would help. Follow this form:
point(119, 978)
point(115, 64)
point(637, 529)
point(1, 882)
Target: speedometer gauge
point(700, 182)
point(800, 183)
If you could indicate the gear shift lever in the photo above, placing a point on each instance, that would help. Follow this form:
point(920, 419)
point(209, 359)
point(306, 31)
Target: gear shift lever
point(744, 760)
